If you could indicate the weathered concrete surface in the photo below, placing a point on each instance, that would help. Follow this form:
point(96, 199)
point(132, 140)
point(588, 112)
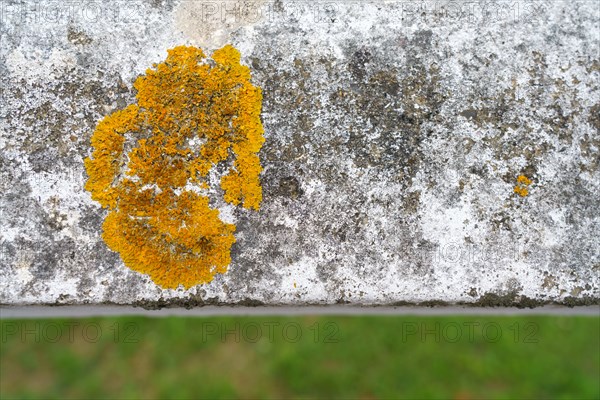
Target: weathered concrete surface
point(394, 137)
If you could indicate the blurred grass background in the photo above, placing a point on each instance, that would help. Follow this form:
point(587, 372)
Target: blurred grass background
point(366, 357)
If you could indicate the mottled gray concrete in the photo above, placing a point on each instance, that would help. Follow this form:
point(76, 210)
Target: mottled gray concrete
point(394, 137)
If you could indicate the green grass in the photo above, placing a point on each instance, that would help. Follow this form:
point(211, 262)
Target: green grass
point(350, 357)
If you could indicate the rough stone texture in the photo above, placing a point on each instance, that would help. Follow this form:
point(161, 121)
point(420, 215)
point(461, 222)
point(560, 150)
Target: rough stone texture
point(394, 137)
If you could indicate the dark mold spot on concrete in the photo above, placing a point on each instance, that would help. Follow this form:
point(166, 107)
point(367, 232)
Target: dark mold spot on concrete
point(289, 187)
point(359, 63)
point(594, 117)
point(166, 5)
point(193, 302)
point(78, 37)
point(510, 299)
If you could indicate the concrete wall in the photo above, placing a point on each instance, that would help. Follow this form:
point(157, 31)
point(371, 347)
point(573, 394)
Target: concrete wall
point(395, 136)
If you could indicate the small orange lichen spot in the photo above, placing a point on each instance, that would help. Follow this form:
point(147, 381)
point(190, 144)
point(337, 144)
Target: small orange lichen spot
point(294, 284)
point(150, 163)
point(521, 186)
point(522, 179)
point(521, 191)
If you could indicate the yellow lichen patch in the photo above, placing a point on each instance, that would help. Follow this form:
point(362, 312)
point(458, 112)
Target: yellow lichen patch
point(521, 191)
point(151, 161)
point(522, 179)
point(521, 188)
